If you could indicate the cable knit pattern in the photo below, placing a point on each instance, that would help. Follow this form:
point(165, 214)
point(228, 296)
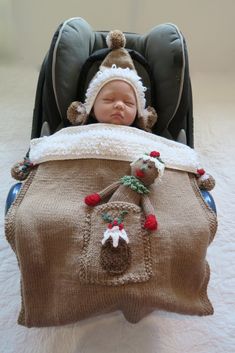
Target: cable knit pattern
point(111, 142)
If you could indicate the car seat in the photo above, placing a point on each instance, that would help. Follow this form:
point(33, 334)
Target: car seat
point(76, 51)
point(75, 54)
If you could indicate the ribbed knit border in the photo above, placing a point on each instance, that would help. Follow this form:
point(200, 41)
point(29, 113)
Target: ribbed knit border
point(210, 214)
point(10, 233)
point(213, 223)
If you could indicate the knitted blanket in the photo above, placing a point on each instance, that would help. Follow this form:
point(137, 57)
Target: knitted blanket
point(57, 238)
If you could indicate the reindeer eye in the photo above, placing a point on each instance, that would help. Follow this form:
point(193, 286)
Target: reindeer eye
point(150, 167)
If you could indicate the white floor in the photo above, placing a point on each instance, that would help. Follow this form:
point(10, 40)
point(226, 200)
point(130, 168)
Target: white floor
point(160, 332)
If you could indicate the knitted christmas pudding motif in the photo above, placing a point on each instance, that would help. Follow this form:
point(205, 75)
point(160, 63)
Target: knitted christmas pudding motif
point(115, 253)
point(115, 229)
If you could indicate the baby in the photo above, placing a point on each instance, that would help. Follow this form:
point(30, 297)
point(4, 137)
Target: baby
point(116, 94)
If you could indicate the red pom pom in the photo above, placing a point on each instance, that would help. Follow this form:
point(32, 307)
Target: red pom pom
point(201, 171)
point(155, 154)
point(151, 222)
point(115, 222)
point(92, 200)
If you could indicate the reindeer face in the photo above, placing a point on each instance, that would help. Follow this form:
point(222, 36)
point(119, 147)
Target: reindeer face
point(145, 170)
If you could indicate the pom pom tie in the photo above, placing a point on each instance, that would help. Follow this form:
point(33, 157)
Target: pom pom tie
point(151, 222)
point(92, 200)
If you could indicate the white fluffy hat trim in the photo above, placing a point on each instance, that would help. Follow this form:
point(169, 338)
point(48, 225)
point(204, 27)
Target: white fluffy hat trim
point(105, 75)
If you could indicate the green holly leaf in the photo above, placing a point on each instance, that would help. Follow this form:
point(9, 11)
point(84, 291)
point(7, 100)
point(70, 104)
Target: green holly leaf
point(123, 213)
point(107, 218)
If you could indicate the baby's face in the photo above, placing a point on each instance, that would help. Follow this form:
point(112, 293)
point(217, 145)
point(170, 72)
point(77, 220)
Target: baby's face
point(116, 104)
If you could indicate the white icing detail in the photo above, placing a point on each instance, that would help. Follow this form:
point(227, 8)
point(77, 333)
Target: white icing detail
point(204, 177)
point(160, 166)
point(115, 233)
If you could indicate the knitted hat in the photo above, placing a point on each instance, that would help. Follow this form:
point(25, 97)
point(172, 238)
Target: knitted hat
point(117, 65)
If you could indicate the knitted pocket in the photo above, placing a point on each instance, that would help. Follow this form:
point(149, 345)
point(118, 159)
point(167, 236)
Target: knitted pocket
point(108, 265)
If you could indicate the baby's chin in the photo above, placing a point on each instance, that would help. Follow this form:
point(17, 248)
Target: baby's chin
point(116, 121)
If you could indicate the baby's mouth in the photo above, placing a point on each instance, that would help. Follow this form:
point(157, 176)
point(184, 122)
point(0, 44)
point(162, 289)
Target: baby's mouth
point(117, 116)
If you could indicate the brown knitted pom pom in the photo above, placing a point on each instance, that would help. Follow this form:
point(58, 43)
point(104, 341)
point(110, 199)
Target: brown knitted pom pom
point(146, 123)
point(206, 184)
point(17, 172)
point(115, 260)
point(116, 39)
point(76, 113)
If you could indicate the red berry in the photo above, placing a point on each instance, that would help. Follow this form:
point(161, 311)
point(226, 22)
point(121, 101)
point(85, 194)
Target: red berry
point(201, 171)
point(155, 154)
point(121, 226)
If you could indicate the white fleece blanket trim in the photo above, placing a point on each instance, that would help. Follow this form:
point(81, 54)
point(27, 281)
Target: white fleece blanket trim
point(112, 142)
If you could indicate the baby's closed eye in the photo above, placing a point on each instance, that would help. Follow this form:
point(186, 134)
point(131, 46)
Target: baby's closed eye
point(130, 103)
point(107, 100)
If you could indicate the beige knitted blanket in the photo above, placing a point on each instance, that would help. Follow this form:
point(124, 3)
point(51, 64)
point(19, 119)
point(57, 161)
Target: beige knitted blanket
point(57, 238)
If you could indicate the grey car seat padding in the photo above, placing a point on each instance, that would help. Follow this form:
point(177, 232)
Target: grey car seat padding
point(163, 48)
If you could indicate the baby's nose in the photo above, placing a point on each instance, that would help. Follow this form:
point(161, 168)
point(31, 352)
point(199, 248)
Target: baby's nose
point(118, 104)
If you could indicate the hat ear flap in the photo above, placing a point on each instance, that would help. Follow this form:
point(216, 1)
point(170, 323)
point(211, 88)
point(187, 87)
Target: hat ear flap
point(77, 114)
point(147, 121)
